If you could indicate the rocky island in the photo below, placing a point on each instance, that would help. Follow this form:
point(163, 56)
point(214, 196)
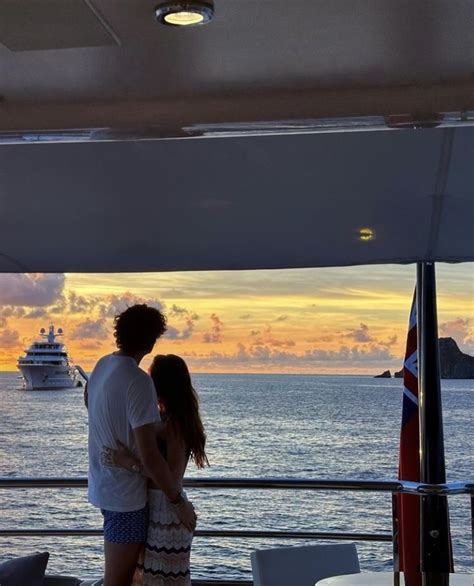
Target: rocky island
point(454, 363)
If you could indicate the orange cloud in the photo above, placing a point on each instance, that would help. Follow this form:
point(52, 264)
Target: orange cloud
point(324, 320)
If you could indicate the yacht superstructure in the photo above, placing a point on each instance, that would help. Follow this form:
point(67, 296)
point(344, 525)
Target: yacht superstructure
point(46, 364)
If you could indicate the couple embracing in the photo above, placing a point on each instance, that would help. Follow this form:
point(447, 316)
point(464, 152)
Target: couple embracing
point(143, 429)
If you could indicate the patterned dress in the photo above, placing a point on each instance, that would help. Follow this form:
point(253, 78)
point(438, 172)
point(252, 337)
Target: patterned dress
point(166, 556)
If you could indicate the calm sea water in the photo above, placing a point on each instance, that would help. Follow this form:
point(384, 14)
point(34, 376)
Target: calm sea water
point(257, 425)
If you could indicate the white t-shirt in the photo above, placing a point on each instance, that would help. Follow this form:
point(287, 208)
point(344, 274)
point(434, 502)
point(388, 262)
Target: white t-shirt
point(121, 397)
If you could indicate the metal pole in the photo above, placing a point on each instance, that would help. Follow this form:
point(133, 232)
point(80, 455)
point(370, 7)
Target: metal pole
point(395, 540)
point(434, 531)
point(472, 526)
point(395, 533)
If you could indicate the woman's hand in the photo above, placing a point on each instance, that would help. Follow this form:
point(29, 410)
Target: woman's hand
point(186, 514)
point(121, 457)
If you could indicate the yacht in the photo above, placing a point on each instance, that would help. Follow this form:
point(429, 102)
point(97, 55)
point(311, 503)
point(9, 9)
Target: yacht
point(46, 364)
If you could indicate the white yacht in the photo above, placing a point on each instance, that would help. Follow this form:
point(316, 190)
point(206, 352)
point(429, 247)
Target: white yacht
point(46, 364)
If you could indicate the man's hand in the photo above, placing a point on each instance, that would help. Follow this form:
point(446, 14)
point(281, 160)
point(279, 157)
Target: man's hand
point(186, 514)
point(121, 457)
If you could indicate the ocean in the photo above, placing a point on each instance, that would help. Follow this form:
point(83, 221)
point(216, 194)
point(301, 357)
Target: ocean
point(258, 426)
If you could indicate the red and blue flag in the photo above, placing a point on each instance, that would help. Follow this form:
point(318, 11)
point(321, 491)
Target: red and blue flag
point(408, 506)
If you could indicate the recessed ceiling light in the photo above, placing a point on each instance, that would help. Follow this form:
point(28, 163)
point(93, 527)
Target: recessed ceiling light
point(366, 234)
point(184, 13)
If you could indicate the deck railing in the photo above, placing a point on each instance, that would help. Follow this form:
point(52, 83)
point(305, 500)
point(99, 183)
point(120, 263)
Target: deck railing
point(375, 486)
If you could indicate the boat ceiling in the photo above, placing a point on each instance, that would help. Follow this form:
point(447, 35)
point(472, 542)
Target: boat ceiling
point(126, 189)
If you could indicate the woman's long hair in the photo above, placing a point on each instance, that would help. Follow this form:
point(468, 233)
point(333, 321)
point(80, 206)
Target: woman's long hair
point(180, 403)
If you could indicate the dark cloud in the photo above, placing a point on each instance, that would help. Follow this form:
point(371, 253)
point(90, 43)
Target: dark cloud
point(107, 306)
point(80, 304)
point(281, 318)
point(245, 316)
point(361, 334)
point(189, 319)
point(356, 354)
point(91, 329)
point(90, 345)
point(60, 306)
point(176, 310)
point(37, 313)
point(266, 338)
point(11, 311)
point(76, 304)
point(31, 289)
point(9, 338)
point(214, 335)
point(263, 354)
point(116, 304)
point(3, 322)
point(173, 333)
point(251, 355)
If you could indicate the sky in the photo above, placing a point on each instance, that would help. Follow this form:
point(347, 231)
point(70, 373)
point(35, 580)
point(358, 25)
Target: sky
point(336, 320)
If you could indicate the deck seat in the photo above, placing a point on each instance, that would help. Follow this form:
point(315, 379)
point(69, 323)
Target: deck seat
point(50, 580)
point(303, 565)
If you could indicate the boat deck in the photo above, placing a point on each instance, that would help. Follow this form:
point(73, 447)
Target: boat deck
point(391, 487)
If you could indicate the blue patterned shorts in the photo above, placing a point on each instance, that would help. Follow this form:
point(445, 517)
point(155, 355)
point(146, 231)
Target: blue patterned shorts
point(129, 527)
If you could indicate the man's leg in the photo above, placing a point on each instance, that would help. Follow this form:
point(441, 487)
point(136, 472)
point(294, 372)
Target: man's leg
point(124, 536)
point(120, 562)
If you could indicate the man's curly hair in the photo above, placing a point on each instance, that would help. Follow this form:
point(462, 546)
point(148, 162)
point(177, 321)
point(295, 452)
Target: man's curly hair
point(138, 327)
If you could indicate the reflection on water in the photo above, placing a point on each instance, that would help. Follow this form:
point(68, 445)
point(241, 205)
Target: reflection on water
point(257, 425)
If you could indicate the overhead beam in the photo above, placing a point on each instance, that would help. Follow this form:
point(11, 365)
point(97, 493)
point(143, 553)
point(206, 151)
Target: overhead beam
point(162, 118)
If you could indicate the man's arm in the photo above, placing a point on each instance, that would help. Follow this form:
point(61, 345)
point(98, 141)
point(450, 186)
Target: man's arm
point(156, 468)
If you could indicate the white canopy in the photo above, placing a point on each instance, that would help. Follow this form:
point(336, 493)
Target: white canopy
point(88, 70)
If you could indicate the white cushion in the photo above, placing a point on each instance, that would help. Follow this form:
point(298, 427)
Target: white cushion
point(303, 565)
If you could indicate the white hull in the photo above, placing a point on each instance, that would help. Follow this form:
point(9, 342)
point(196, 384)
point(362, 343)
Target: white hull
point(43, 377)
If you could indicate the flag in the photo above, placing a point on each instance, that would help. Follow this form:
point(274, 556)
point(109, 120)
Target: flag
point(408, 506)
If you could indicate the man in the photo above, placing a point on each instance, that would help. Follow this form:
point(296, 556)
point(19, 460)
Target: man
point(122, 406)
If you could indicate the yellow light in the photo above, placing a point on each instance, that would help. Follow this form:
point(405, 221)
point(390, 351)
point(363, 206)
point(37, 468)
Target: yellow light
point(366, 234)
point(184, 18)
point(184, 12)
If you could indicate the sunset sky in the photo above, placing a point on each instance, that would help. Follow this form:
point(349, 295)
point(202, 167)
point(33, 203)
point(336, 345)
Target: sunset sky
point(338, 320)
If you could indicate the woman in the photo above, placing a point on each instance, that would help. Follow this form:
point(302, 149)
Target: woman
point(180, 436)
